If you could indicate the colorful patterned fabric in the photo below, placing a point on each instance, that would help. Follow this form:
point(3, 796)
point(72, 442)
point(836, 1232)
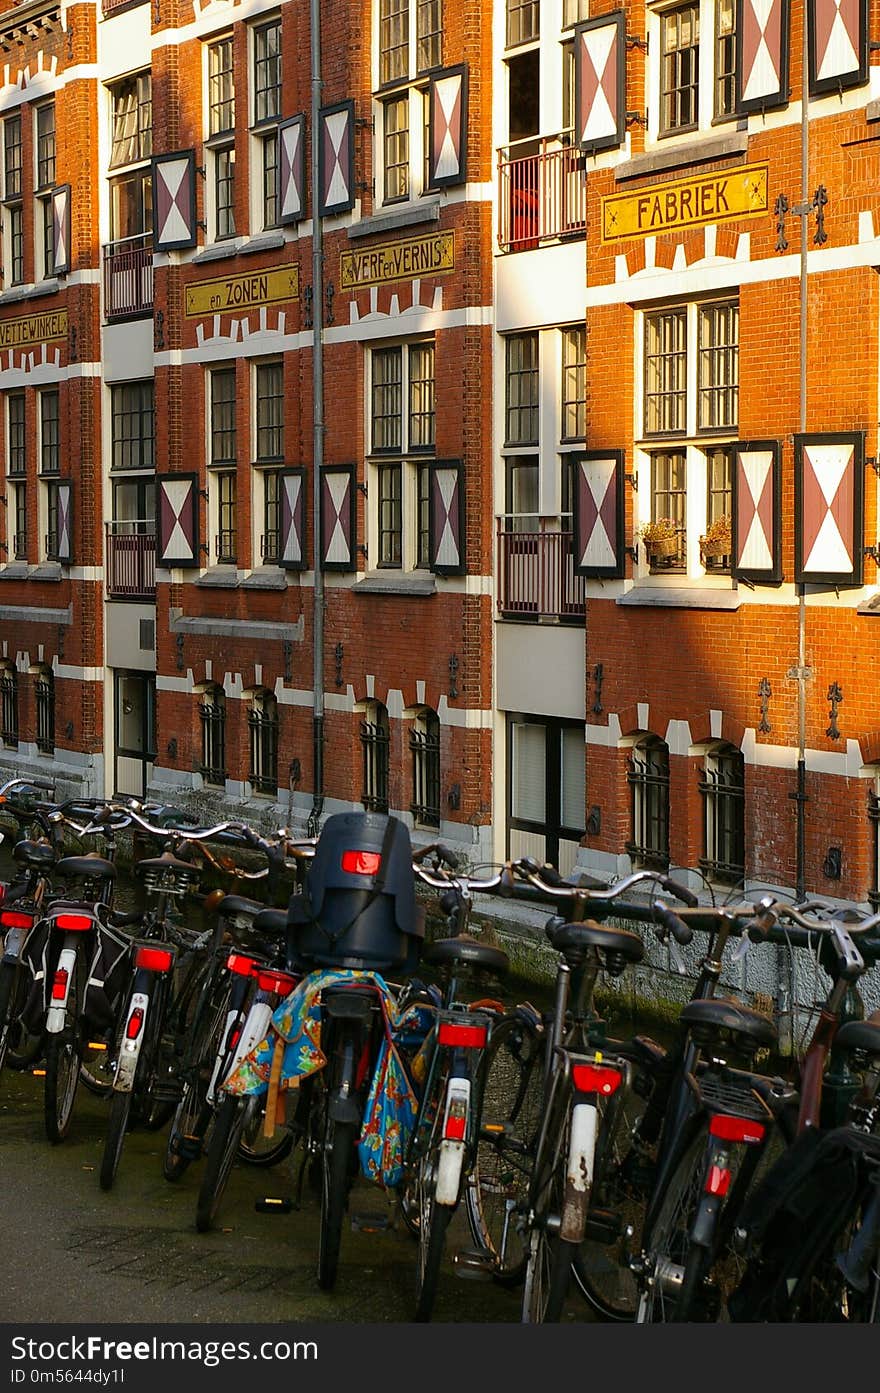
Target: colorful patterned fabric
point(391, 1103)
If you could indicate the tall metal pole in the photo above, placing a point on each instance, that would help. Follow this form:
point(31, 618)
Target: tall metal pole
point(318, 426)
point(801, 795)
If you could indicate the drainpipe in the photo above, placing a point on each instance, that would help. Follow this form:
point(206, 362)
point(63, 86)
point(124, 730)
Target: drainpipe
point(318, 429)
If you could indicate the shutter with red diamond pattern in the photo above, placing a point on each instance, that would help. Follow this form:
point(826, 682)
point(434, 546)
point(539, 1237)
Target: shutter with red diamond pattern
point(762, 28)
point(838, 44)
point(446, 518)
point(600, 82)
point(178, 520)
point(61, 229)
point(291, 169)
point(828, 508)
point(63, 522)
point(174, 200)
point(599, 514)
point(757, 512)
point(447, 127)
point(336, 158)
point(338, 518)
point(292, 551)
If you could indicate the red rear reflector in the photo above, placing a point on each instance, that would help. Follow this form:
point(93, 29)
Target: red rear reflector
point(718, 1181)
point(234, 1037)
point(156, 959)
point(14, 919)
point(135, 1021)
point(595, 1078)
point(269, 981)
point(361, 862)
point(469, 1037)
point(241, 964)
point(73, 921)
point(454, 1130)
point(736, 1129)
point(59, 984)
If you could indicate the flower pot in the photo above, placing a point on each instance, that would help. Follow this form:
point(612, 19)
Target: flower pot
point(661, 548)
point(713, 549)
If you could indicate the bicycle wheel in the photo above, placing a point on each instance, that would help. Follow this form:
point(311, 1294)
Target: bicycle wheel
point(98, 1065)
point(620, 1192)
point(229, 1123)
point(824, 1296)
point(338, 1150)
point(256, 1149)
point(512, 1100)
point(670, 1239)
point(434, 1220)
point(62, 1079)
point(19, 1049)
point(8, 995)
point(549, 1261)
point(193, 1112)
point(114, 1139)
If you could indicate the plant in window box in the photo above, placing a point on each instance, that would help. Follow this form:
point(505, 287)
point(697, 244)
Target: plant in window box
point(717, 541)
point(661, 538)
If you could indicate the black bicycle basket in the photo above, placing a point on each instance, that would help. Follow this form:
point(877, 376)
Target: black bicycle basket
point(358, 906)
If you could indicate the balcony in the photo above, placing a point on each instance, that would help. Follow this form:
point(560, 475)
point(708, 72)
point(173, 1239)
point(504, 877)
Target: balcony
point(128, 277)
point(536, 576)
point(131, 559)
point(542, 192)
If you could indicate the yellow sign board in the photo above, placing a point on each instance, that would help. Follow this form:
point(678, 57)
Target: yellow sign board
point(33, 328)
point(242, 292)
point(739, 193)
point(432, 255)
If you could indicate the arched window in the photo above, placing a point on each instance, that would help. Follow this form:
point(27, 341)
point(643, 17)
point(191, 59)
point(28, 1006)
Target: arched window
point(723, 788)
point(44, 701)
point(424, 742)
point(375, 746)
point(212, 714)
point(648, 778)
point(9, 705)
point(263, 726)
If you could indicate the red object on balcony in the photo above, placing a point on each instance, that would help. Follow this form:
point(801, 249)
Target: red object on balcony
point(536, 576)
point(131, 560)
point(542, 192)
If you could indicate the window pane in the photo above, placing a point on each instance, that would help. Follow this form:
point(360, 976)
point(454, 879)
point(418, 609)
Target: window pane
point(15, 456)
point(669, 498)
point(421, 396)
point(680, 53)
point(725, 57)
point(132, 425)
point(573, 784)
point(429, 43)
point(267, 71)
point(270, 179)
point(50, 451)
point(45, 145)
point(221, 88)
point(522, 390)
point(390, 515)
point(270, 411)
point(387, 400)
point(665, 372)
point(223, 417)
point(396, 148)
point(718, 367)
point(132, 120)
point(574, 383)
point(393, 40)
point(12, 156)
point(528, 772)
point(522, 21)
point(224, 191)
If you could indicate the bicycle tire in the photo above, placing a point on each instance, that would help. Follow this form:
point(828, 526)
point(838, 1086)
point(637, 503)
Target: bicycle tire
point(669, 1240)
point(62, 1080)
point(548, 1266)
point(97, 1073)
point(193, 1113)
point(114, 1138)
point(220, 1158)
point(434, 1220)
point(255, 1149)
point(822, 1296)
point(20, 1049)
point(339, 1142)
point(511, 1088)
point(8, 985)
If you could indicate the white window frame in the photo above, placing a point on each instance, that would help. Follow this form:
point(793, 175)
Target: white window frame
point(43, 270)
point(216, 144)
point(410, 460)
point(261, 130)
point(707, 120)
point(262, 466)
point(414, 87)
point(215, 469)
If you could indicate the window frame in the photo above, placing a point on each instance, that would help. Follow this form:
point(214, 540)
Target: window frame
point(424, 745)
point(212, 715)
point(44, 710)
point(649, 803)
point(401, 438)
point(723, 814)
point(553, 827)
point(375, 740)
point(263, 728)
point(403, 86)
point(135, 450)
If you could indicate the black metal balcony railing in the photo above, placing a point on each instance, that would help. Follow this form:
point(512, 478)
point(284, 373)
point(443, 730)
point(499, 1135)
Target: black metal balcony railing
point(224, 547)
point(128, 276)
point(131, 559)
point(270, 546)
point(536, 576)
point(542, 192)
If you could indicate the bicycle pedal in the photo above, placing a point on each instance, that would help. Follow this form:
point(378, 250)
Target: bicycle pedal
point(370, 1223)
point(270, 1205)
point(473, 1264)
point(603, 1226)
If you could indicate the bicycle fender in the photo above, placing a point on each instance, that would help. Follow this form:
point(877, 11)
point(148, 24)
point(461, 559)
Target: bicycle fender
point(579, 1172)
point(57, 1012)
point(132, 1038)
point(449, 1168)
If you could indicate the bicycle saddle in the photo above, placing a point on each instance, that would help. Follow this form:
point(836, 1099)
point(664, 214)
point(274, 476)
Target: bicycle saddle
point(38, 855)
point(271, 922)
point(567, 938)
point(726, 1013)
point(89, 865)
point(465, 952)
point(237, 907)
point(859, 1035)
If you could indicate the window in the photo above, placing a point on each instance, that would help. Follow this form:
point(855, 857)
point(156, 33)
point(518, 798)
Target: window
point(574, 11)
point(521, 389)
point(523, 21)
point(424, 743)
point(722, 787)
point(50, 441)
point(212, 714)
point(44, 703)
point(53, 528)
point(263, 727)
point(691, 391)
point(269, 449)
point(15, 469)
point(221, 134)
point(375, 749)
point(401, 432)
point(410, 45)
point(44, 140)
point(547, 787)
point(648, 778)
point(695, 39)
point(15, 440)
point(266, 55)
point(222, 458)
point(13, 218)
point(132, 103)
point(874, 819)
point(19, 522)
point(574, 383)
point(133, 425)
point(9, 705)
